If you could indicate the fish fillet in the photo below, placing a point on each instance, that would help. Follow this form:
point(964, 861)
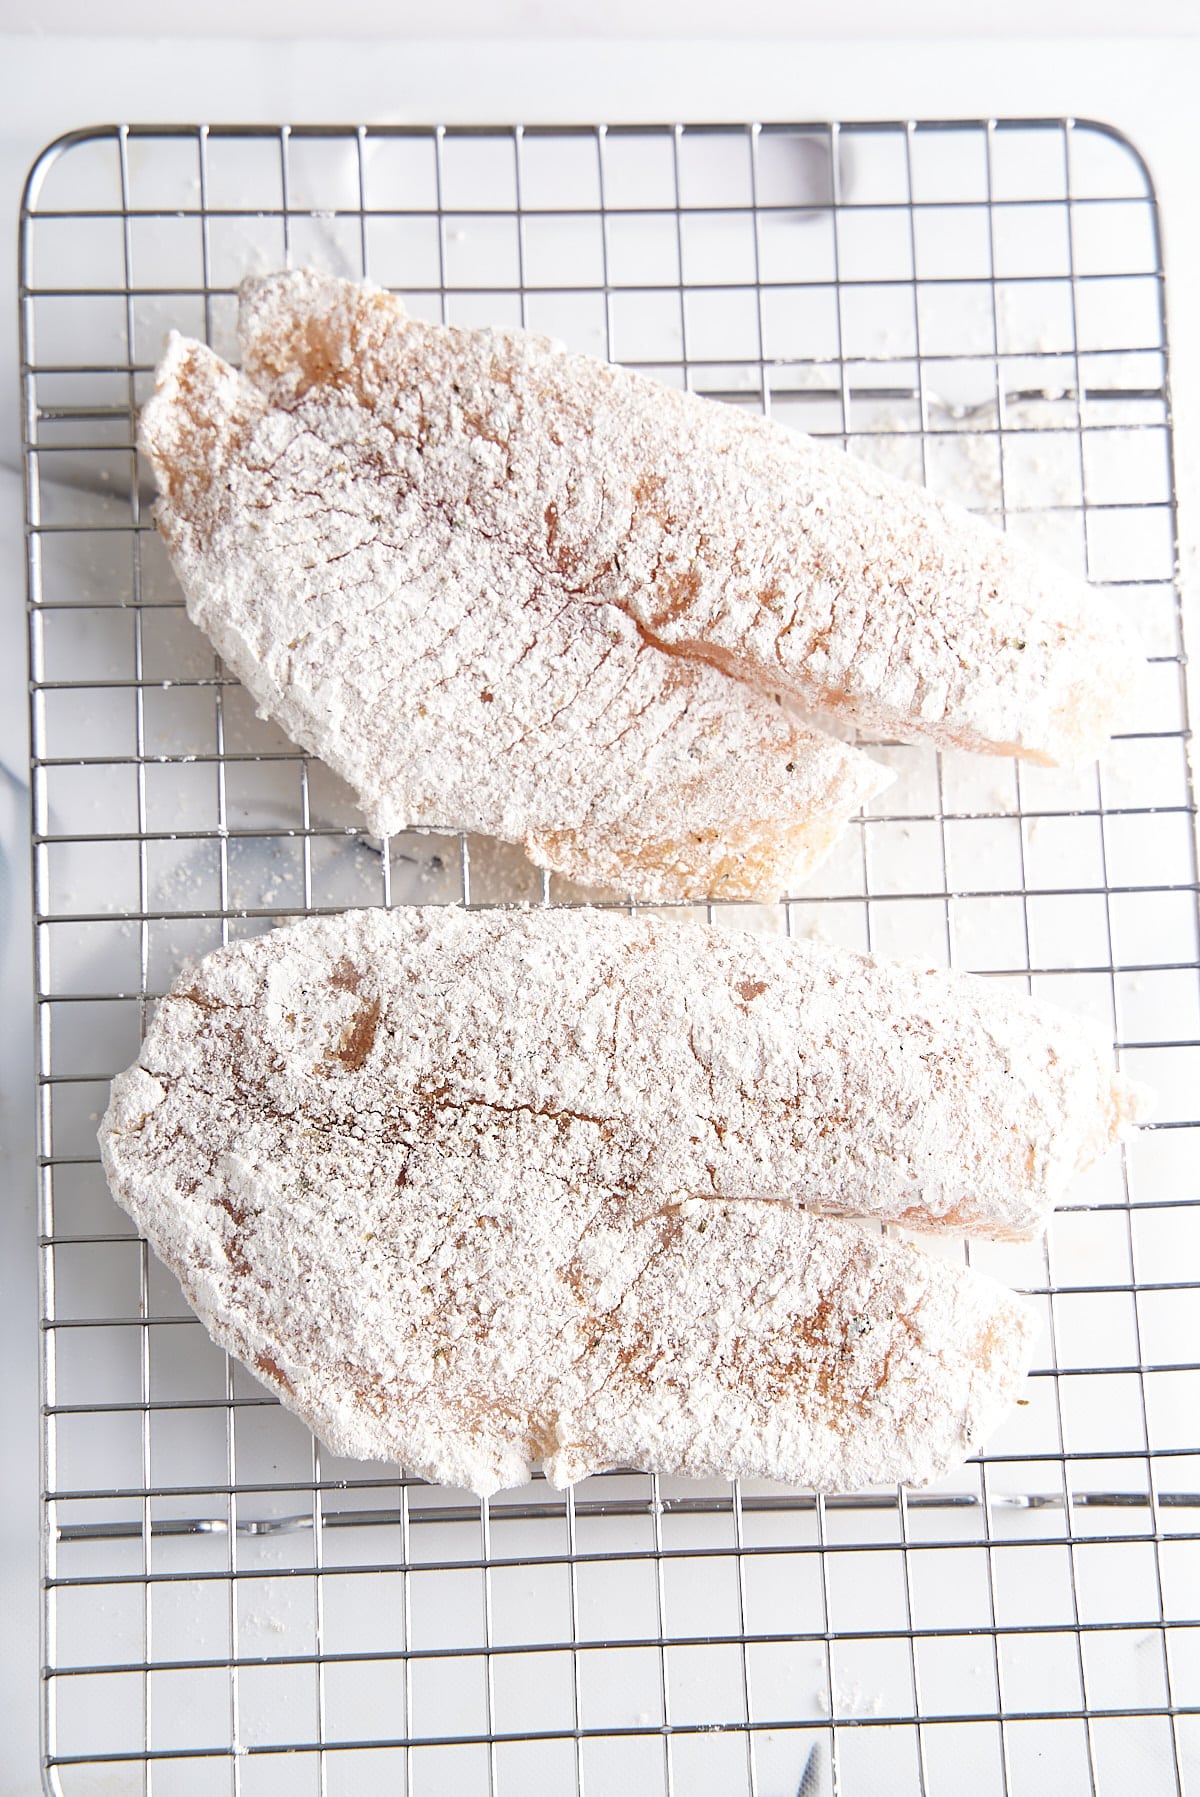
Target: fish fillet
point(362, 584)
point(473, 1264)
point(724, 536)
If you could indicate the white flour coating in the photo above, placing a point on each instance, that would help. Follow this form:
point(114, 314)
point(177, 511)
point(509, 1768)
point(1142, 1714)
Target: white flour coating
point(365, 573)
point(478, 1191)
point(724, 536)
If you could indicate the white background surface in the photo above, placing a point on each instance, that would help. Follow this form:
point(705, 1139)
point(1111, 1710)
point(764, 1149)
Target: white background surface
point(539, 20)
point(49, 84)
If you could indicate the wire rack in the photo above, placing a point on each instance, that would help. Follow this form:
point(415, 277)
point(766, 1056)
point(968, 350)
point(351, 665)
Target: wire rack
point(229, 1609)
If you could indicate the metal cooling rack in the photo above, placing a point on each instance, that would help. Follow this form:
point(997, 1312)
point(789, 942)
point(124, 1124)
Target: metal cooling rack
point(229, 1609)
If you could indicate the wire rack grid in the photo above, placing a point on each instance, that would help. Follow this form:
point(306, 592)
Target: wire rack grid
point(230, 1609)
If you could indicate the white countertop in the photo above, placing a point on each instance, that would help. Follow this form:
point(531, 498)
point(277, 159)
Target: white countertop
point(49, 84)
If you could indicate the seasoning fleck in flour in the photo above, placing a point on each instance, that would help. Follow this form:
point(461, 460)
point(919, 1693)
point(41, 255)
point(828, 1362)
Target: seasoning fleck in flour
point(479, 1191)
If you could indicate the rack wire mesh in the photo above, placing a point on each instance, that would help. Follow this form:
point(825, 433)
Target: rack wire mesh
point(229, 1609)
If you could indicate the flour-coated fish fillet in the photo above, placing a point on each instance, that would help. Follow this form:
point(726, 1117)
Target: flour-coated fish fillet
point(474, 1274)
point(725, 536)
point(733, 1065)
point(381, 614)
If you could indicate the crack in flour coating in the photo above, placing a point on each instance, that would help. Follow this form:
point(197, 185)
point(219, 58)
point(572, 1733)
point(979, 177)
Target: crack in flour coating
point(477, 1192)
